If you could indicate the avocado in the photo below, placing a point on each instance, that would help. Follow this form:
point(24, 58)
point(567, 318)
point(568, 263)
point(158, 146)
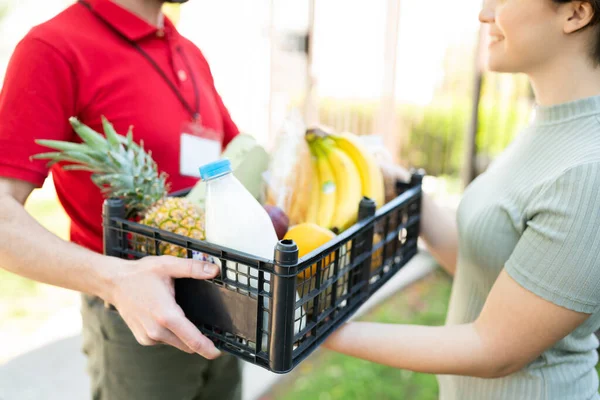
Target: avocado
point(249, 161)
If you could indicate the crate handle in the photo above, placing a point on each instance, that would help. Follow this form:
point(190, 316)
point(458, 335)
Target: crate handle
point(112, 209)
point(366, 209)
point(283, 306)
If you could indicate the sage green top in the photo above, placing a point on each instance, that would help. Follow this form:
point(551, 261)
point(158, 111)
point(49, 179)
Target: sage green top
point(536, 213)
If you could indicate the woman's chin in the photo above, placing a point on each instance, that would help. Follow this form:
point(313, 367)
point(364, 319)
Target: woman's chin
point(497, 64)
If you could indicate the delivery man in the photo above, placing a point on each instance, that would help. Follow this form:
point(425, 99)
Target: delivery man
point(120, 59)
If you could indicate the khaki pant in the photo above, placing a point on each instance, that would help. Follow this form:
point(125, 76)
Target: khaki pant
point(122, 369)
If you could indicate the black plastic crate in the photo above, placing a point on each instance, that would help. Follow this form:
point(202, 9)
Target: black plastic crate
point(274, 313)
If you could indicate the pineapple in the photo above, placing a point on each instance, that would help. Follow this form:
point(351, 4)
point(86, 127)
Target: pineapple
point(123, 169)
point(176, 215)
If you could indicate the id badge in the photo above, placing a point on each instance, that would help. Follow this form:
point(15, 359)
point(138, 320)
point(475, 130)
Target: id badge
point(199, 145)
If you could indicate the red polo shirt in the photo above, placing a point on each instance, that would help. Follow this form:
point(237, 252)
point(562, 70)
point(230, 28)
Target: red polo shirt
point(75, 65)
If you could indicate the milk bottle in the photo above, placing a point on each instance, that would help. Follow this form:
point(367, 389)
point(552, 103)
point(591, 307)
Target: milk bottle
point(235, 219)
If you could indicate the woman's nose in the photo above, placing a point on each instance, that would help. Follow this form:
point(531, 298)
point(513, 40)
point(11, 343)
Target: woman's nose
point(487, 13)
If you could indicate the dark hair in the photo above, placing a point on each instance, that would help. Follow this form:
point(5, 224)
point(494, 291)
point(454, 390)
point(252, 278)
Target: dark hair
point(595, 46)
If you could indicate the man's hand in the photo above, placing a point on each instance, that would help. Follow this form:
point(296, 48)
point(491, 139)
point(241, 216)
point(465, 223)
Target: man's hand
point(144, 293)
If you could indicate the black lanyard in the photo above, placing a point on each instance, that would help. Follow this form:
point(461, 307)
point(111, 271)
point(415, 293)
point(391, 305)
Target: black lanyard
point(195, 113)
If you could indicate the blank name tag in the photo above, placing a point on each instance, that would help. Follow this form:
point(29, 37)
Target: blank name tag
point(196, 152)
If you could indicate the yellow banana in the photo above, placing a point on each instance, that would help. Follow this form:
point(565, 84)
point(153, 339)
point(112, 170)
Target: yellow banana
point(348, 185)
point(327, 188)
point(313, 206)
point(370, 174)
point(299, 197)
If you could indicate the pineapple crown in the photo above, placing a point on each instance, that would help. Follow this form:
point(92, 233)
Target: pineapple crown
point(120, 167)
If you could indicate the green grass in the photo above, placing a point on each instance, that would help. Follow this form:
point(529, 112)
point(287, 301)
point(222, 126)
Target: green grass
point(332, 376)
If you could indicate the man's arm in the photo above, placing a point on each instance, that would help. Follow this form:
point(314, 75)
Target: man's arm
point(142, 291)
point(26, 244)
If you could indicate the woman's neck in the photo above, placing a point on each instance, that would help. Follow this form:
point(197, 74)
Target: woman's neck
point(149, 10)
point(567, 79)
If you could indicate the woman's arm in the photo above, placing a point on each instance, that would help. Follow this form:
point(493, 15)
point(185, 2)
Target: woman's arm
point(439, 231)
point(513, 329)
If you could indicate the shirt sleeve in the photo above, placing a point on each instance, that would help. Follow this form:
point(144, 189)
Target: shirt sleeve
point(37, 98)
point(558, 254)
point(230, 129)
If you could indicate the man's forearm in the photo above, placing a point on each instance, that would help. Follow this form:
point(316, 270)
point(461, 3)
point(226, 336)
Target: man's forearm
point(30, 250)
point(444, 350)
point(439, 231)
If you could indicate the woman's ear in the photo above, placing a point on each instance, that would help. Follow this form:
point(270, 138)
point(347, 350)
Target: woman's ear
point(579, 15)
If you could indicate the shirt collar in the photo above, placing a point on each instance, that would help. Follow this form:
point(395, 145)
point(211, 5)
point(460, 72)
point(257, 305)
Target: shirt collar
point(126, 22)
point(566, 111)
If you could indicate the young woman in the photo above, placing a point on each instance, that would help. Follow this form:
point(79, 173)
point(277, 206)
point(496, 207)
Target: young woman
point(524, 247)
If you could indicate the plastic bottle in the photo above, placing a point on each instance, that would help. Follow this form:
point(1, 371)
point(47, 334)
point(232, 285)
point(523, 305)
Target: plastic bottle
point(235, 219)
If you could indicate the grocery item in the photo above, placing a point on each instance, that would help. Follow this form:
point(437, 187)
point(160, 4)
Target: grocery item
point(345, 171)
point(308, 237)
point(123, 169)
point(327, 189)
point(315, 190)
point(249, 161)
point(280, 221)
point(347, 184)
point(370, 174)
point(377, 256)
point(235, 219)
point(289, 178)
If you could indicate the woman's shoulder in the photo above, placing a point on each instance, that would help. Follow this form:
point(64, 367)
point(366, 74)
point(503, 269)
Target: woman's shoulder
point(572, 186)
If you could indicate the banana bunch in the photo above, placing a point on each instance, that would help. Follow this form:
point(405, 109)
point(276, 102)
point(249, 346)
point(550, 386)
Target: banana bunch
point(344, 172)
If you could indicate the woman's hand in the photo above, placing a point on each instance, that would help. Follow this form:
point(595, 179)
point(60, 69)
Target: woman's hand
point(437, 225)
point(144, 294)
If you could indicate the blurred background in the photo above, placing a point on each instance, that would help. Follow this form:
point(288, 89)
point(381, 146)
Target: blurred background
point(406, 73)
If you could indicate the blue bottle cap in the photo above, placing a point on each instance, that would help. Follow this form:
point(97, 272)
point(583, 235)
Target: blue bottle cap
point(215, 169)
